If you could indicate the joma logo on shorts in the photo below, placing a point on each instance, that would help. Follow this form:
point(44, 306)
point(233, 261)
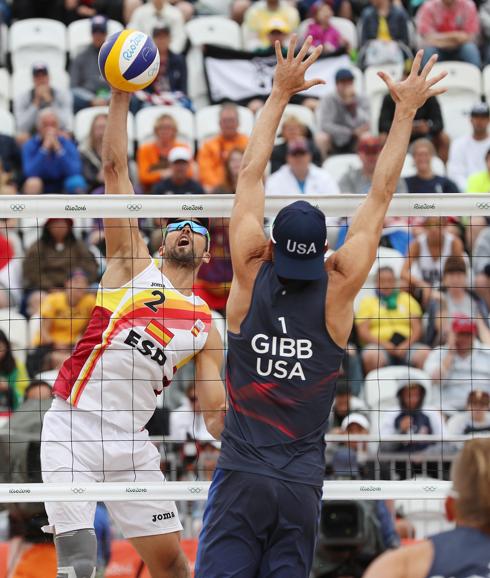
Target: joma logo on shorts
point(165, 516)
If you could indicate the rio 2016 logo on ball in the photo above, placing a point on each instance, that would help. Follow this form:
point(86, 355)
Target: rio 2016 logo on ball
point(129, 60)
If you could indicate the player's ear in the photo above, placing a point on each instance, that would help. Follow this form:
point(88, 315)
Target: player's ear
point(161, 250)
point(206, 257)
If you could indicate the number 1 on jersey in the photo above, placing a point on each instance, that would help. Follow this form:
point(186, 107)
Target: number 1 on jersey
point(282, 321)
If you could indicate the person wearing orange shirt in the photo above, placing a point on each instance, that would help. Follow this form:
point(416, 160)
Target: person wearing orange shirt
point(152, 157)
point(214, 152)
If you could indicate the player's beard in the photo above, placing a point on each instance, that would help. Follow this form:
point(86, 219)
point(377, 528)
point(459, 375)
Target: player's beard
point(186, 259)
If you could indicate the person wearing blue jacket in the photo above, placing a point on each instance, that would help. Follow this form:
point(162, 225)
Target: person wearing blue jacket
point(50, 161)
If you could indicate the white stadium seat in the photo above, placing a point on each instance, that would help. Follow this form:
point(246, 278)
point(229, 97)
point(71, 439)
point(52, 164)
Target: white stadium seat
point(37, 40)
point(376, 88)
point(464, 87)
point(381, 384)
point(83, 123)
point(215, 7)
point(347, 29)
point(80, 35)
point(14, 325)
point(337, 165)
point(207, 121)
point(4, 89)
point(408, 170)
point(486, 82)
point(214, 30)
point(4, 43)
point(302, 113)
point(7, 123)
point(145, 121)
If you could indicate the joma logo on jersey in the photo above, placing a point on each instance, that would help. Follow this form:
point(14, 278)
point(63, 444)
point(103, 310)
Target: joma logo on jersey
point(300, 248)
point(164, 516)
point(146, 347)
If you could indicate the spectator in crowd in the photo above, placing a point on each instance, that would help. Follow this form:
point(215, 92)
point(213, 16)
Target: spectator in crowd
point(475, 418)
point(13, 376)
point(413, 416)
point(28, 105)
point(481, 265)
point(88, 86)
point(258, 16)
point(120, 10)
point(179, 182)
point(467, 153)
point(456, 299)
point(353, 424)
point(480, 182)
point(152, 157)
point(427, 254)
point(424, 180)
point(428, 122)
point(170, 86)
point(51, 161)
point(293, 129)
point(449, 29)
point(214, 278)
point(485, 30)
point(358, 181)
point(213, 153)
point(156, 12)
point(277, 30)
point(461, 365)
point(344, 404)
point(64, 318)
point(187, 420)
point(91, 153)
point(389, 325)
point(340, 8)
point(48, 262)
point(323, 31)
point(343, 116)
point(299, 176)
point(384, 34)
point(10, 164)
point(22, 9)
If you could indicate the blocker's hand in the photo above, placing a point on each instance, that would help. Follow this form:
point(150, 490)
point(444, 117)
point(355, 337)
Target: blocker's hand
point(411, 93)
point(289, 77)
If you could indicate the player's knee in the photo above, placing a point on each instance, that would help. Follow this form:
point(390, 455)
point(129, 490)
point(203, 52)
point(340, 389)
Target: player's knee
point(77, 554)
point(180, 567)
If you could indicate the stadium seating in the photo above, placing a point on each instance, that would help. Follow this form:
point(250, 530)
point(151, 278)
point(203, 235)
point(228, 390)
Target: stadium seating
point(376, 88)
point(7, 122)
point(83, 123)
point(381, 385)
point(214, 30)
point(37, 40)
point(408, 169)
point(79, 34)
point(4, 89)
point(22, 80)
point(207, 121)
point(338, 165)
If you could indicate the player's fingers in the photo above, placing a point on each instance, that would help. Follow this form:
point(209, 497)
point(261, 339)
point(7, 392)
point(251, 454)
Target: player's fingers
point(314, 56)
point(414, 71)
point(278, 48)
point(312, 82)
point(386, 78)
point(304, 49)
point(292, 47)
point(428, 67)
point(437, 91)
point(437, 78)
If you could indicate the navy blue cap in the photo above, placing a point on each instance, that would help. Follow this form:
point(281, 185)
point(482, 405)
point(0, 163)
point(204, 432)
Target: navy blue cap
point(299, 234)
point(343, 74)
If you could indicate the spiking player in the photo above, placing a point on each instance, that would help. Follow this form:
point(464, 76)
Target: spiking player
point(145, 325)
point(289, 318)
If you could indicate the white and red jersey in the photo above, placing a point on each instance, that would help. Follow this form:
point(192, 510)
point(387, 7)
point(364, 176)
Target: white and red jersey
point(137, 337)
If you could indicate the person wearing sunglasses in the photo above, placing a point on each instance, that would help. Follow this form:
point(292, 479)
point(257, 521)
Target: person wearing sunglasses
point(463, 552)
point(146, 324)
point(289, 318)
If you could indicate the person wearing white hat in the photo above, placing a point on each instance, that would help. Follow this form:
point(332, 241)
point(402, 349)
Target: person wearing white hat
point(179, 182)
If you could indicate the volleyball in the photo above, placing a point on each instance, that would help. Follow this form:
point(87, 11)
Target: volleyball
point(129, 60)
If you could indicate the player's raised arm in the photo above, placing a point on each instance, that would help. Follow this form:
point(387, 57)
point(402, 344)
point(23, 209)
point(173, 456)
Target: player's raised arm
point(355, 259)
point(246, 225)
point(123, 239)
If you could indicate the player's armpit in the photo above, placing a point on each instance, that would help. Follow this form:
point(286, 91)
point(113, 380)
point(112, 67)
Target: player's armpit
point(209, 385)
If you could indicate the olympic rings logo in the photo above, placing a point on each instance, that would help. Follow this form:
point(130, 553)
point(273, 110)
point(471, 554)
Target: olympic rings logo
point(17, 207)
point(195, 490)
point(134, 206)
point(429, 489)
point(480, 205)
point(78, 490)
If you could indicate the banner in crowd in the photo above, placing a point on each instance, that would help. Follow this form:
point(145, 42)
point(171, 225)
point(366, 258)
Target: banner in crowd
point(240, 76)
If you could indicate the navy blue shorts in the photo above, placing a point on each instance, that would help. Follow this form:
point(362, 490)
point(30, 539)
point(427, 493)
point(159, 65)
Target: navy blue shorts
point(258, 527)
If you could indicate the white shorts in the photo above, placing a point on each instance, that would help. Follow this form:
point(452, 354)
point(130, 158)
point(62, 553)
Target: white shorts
point(79, 447)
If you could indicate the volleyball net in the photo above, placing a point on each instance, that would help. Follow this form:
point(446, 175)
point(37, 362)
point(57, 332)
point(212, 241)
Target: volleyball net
point(401, 410)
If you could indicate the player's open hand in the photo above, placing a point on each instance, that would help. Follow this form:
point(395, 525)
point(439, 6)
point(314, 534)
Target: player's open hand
point(289, 77)
point(412, 92)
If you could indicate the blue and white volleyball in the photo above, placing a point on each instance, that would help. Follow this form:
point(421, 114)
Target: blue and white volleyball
point(129, 60)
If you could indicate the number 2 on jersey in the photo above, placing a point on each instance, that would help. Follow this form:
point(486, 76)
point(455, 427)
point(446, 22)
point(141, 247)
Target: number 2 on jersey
point(153, 304)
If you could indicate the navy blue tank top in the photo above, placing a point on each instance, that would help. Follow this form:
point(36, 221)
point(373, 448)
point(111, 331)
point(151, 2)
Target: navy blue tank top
point(460, 553)
point(281, 374)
